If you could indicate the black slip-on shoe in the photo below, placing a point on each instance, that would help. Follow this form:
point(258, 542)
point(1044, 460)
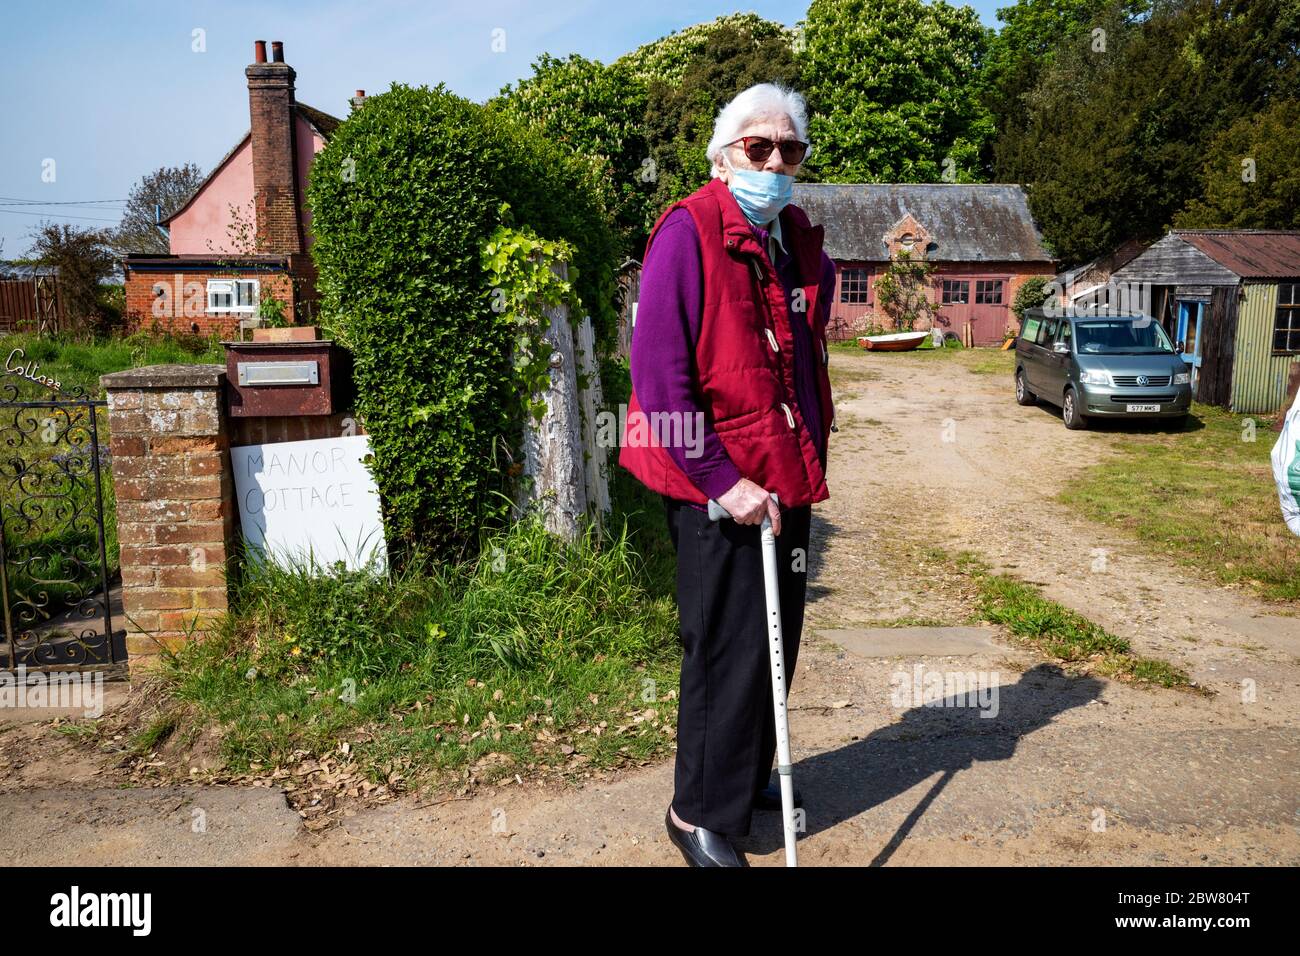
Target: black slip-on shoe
point(703, 847)
point(769, 798)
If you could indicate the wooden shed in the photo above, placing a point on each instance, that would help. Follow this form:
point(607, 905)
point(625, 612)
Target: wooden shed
point(1231, 298)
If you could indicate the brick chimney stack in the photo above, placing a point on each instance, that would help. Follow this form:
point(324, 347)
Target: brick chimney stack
point(275, 183)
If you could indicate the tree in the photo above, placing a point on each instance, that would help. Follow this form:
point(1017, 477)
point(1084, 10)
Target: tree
point(893, 86)
point(1032, 32)
point(901, 291)
point(594, 113)
point(640, 125)
point(1117, 129)
point(1250, 179)
point(84, 261)
point(681, 111)
point(668, 58)
point(1032, 293)
point(168, 187)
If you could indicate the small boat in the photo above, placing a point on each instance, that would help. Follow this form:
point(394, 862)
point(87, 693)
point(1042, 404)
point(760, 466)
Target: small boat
point(898, 342)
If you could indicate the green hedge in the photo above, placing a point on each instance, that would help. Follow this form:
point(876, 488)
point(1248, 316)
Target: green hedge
point(403, 199)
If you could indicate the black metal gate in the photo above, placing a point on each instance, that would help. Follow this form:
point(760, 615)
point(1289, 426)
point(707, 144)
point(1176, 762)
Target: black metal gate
point(54, 547)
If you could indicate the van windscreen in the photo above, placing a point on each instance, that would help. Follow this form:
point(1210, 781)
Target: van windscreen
point(1121, 336)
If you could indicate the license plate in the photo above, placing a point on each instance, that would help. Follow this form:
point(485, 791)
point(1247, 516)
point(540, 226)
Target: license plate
point(1143, 408)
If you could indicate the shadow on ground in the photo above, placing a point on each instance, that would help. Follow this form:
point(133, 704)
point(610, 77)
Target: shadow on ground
point(841, 784)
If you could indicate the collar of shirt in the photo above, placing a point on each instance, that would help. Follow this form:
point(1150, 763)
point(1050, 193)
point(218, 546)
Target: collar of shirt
point(774, 235)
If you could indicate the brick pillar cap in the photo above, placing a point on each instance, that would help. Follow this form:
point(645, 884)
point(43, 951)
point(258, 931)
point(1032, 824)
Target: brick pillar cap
point(166, 376)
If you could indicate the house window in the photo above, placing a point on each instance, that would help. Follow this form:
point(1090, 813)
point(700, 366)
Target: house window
point(854, 285)
point(1286, 322)
point(956, 292)
point(232, 295)
point(988, 292)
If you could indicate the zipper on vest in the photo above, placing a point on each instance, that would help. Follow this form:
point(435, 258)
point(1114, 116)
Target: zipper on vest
point(826, 356)
point(758, 269)
point(789, 416)
point(771, 340)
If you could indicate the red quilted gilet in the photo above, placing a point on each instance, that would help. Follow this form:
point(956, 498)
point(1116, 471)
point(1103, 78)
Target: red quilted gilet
point(747, 386)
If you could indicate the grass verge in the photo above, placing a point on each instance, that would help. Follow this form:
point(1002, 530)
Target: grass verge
point(1062, 633)
point(79, 363)
point(1204, 497)
point(981, 361)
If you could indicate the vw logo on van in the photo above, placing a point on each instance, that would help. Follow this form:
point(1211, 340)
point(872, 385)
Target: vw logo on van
point(1143, 380)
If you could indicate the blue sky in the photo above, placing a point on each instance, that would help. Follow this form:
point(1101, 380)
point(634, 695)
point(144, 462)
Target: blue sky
point(112, 91)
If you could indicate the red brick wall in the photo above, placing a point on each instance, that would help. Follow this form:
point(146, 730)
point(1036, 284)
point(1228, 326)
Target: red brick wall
point(175, 501)
point(183, 309)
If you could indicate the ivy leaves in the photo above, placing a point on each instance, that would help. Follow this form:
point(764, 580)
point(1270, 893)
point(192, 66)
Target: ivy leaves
point(523, 283)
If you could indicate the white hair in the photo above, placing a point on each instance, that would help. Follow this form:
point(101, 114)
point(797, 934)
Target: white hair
point(760, 100)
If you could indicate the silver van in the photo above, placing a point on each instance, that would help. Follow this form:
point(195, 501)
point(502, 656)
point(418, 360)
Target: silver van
point(1101, 365)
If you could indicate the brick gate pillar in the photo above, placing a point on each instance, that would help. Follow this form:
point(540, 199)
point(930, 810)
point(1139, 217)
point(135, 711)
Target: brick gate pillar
point(175, 500)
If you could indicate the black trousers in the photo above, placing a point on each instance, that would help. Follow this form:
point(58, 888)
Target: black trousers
point(726, 735)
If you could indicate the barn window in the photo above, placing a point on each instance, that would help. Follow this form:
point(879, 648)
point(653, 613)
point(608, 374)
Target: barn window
point(988, 292)
point(854, 285)
point(232, 295)
point(1286, 323)
point(956, 292)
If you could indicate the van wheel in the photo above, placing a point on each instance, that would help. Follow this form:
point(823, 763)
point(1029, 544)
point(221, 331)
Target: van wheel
point(1070, 411)
point(1023, 395)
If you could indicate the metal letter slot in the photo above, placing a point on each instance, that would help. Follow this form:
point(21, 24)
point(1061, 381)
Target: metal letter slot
point(279, 373)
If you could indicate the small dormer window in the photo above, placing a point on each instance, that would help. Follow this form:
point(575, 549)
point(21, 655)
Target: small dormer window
point(907, 240)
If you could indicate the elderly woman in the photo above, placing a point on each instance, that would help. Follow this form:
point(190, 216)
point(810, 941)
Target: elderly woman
point(730, 336)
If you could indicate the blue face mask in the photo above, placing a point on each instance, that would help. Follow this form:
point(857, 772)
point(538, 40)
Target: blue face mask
point(761, 195)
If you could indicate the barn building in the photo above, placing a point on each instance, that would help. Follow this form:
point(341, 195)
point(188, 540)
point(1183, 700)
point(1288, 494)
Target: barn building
point(981, 240)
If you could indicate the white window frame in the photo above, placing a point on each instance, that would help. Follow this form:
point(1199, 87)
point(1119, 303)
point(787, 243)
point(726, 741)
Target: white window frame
point(230, 287)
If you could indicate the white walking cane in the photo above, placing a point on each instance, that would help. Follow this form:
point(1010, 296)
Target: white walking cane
point(776, 648)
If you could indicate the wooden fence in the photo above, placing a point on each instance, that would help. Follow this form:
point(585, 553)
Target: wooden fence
point(30, 305)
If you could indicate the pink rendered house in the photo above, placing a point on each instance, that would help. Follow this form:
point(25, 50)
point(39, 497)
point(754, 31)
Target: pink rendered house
point(245, 234)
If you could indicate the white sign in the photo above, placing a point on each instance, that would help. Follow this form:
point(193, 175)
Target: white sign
point(310, 501)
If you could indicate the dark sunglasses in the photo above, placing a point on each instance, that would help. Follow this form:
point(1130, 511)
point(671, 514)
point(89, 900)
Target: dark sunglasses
point(758, 148)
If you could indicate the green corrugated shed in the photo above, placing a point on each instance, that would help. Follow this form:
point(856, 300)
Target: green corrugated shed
point(1259, 377)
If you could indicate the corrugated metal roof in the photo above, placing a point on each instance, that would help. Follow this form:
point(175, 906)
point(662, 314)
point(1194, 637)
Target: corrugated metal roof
point(966, 223)
point(1250, 253)
point(23, 270)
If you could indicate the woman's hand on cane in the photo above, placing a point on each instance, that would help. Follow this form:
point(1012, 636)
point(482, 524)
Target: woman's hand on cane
point(748, 503)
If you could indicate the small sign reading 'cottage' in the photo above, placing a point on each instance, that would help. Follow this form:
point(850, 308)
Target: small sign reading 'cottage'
point(315, 501)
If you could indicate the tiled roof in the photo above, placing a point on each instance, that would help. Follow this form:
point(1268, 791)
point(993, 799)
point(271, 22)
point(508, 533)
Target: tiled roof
point(966, 223)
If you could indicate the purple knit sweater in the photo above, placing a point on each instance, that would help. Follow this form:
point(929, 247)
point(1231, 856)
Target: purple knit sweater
point(668, 326)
